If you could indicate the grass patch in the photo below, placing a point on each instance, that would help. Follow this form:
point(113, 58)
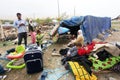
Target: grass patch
point(6, 43)
point(115, 22)
point(115, 27)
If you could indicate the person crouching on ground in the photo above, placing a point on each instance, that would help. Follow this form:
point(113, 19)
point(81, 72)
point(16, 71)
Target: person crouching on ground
point(39, 38)
point(79, 39)
point(77, 43)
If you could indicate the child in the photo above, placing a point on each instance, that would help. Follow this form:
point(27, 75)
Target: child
point(33, 37)
point(39, 38)
point(31, 30)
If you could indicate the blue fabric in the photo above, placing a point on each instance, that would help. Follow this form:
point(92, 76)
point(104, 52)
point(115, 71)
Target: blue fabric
point(92, 26)
point(54, 74)
point(74, 21)
point(4, 56)
point(43, 76)
point(62, 30)
point(2, 71)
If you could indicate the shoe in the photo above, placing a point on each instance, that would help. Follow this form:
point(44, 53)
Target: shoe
point(118, 45)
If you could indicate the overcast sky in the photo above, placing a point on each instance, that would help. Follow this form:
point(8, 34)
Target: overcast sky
point(49, 8)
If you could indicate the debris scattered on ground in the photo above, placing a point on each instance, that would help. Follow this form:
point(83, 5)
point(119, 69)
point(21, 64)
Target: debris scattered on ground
point(55, 53)
point(3, 77)
point(111, 78)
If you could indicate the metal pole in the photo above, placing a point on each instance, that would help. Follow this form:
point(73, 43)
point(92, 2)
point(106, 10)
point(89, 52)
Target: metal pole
point(74, 10)
point(58, 9)
point(34, 16)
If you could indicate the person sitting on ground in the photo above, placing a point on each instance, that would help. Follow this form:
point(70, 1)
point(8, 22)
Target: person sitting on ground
point(73, 50)
point(39, 38)
point(79, 54)
point(80, 49)
point(79, 39)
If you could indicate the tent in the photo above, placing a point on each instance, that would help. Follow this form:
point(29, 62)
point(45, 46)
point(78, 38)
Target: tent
point(72, 24)
point(90, 25)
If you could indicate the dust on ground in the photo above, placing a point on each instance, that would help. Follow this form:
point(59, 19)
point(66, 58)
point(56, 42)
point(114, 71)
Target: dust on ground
point(52, 62)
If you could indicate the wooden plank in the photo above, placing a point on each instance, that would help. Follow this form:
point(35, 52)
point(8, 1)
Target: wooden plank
point(54, 31)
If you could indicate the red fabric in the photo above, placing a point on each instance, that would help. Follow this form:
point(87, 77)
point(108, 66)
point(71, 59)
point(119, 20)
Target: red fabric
point(33, 37)
point(87, 49)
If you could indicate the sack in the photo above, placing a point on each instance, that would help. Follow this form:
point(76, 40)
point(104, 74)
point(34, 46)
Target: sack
point(33, 60)
point(80, 73)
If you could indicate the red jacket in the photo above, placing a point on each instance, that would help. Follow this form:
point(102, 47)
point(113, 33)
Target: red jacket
point(87, 49)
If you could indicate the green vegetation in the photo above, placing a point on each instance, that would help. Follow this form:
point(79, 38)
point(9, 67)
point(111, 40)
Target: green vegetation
point(10, 21)
point(62, 17)
point(43, 21)
point(48, 20)
point(115, 24)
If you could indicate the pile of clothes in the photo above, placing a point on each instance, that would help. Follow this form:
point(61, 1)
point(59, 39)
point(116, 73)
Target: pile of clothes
point(93, 56)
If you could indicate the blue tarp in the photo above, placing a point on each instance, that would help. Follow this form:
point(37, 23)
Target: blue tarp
point(2, 71)
point(74, 21)
point(72, 24)
point(62, 30)
point(90, 25)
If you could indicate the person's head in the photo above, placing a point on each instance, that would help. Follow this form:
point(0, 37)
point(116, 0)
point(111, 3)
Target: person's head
point(19, 16)
point(30, 20)
point(38, 32)
point(79, 32)
point(78, 45)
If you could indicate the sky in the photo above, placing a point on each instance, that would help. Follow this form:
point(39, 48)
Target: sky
point(49, 8)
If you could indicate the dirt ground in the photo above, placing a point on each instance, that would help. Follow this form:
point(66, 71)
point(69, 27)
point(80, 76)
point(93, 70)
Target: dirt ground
point(52, 62)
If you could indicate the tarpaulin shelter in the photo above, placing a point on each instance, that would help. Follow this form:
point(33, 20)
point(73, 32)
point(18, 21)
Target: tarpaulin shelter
point(73, 24)
point(90, 25)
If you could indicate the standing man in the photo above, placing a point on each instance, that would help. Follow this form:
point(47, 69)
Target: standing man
point(22, 29)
